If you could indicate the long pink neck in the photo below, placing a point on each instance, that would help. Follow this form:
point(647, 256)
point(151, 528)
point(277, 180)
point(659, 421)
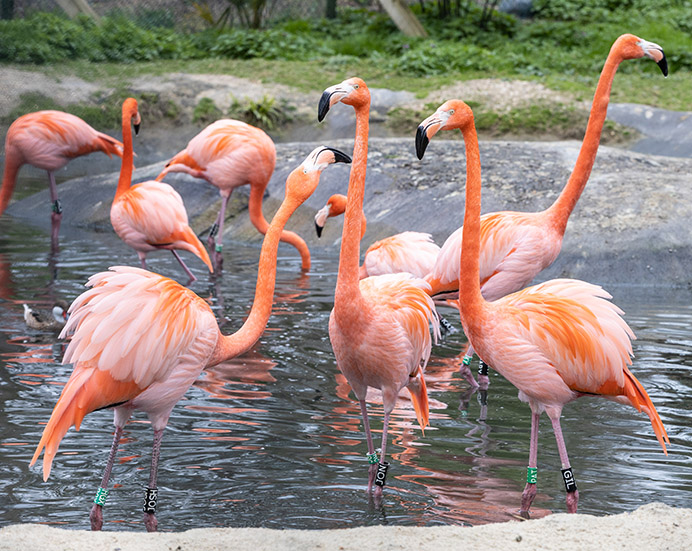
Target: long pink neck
point(470, 299)
point(347, 289)
point(242, 340)
point(127, 164)
point(565, 203)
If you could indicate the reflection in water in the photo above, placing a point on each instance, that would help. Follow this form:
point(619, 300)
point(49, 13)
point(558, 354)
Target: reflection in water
point(273, 438)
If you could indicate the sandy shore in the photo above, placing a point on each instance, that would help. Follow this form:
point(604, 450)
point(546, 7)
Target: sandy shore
point(651, 527)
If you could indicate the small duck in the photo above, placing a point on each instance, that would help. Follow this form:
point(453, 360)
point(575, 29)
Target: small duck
point(46, 321)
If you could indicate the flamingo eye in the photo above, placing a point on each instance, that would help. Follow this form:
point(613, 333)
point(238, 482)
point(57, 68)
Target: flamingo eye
point(356, 86)
point(451, 111)
point(305, 171)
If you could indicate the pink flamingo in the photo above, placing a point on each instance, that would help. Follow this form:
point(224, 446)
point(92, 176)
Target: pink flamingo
point(555, 342)
point(49, 140)
point(150, 215)
point(517, 246)
point(412, 252)
point(139, 340)
point(379, 327)
point(229, 154)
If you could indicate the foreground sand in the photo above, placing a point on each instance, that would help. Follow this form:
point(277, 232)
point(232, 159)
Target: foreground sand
point(651, 527)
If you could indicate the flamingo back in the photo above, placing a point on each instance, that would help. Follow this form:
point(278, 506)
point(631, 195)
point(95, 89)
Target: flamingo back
point(412, 252)
point(229, 154)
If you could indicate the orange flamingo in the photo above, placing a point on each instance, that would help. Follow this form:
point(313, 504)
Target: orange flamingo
point(139, 340)
point(379, 327)
point(150, 215)
point(555, 342)
point(49, 140)
point(412, 252)
point(229, 154)
point(517, 246)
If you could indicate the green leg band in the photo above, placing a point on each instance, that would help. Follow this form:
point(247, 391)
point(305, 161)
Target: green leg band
point(101, 495)
point(466, 360)
point(372, 458)
point(531, 475)
point(218, 248)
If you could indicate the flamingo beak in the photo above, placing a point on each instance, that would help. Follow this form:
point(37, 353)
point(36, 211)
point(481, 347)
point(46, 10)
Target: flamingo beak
point(663, 64)
point(426, 130)
point(655, 52)
point(339, 156)
point(329, 97)
point(318, 230)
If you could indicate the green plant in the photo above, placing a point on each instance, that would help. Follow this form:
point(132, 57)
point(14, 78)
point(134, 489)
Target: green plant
point(206, 111)
point(265, 112)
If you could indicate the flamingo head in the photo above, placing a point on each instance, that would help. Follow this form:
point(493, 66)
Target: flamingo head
point(131, 111)
point(352, 91)
point(633, 47)
point(302, 182)
point(450, 115)
point(335, 206)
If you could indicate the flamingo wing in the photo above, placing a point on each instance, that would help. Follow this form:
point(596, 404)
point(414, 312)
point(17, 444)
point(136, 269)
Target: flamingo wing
point(412, 252)
point(136, 336)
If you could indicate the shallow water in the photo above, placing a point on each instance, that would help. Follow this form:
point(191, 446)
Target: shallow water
point(274, 439)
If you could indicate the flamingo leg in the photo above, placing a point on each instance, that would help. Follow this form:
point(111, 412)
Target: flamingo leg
point(383, 464)
point(187, 270)
point(96, 514)
point(464, 368)
point(567, 475)
point(56, 215)
point(371, 447)
point(142, 259)
point(530, 488)
point(152, 490)
point(217, 245)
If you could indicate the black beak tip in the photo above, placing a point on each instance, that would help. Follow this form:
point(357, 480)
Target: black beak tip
point(136, 129)
point(663, 65)
point(422, 142)
point(318, 230)
point(323, 106)
point(340, 156)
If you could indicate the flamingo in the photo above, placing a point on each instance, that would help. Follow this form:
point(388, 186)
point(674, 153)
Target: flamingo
point(517, 246)
point(412, 252)
point(150, 215)
point(229, 154)
point(380, 326)
point(49, 140)
point(139, 340)
point(555, 342)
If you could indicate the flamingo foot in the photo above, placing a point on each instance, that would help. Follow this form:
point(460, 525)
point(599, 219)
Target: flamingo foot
point(572, 501)
point(96, 517)
point(527, 499)
point(465, 372)
point(150, 522)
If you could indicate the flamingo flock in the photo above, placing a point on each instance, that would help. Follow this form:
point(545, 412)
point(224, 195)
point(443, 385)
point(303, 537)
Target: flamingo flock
point(138, 340)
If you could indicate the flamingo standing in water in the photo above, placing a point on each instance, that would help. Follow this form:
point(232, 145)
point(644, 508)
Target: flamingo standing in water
point(555, 342)
point(379, 327)
point(229, 154)
point(151, 215)
point(410, 251)
point(49, 140)
point(139, 340)
point(517, 246)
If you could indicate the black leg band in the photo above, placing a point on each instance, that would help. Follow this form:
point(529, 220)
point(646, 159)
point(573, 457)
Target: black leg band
point(150, 497)
point(57, 207)
point(568, 479)
point(214, 230)
point(482, 368)
point(381, 475)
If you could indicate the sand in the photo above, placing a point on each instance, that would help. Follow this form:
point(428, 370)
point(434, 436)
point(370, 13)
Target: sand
point(651, 527)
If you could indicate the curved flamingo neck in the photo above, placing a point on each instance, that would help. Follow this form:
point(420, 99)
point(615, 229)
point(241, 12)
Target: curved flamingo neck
point(347, 288)
point(260, 222)
point(127, 164)
point(230, 346)
point(563, 206)
point(9, 179)
point(471, 301)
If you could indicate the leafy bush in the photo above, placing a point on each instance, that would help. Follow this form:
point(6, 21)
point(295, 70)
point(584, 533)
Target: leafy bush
point(264, 113)
point(206, 111)
point(269, 44)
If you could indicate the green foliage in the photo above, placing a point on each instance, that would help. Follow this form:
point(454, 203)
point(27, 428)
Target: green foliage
point(264, 113)
point(269, 44)
point(206, 111)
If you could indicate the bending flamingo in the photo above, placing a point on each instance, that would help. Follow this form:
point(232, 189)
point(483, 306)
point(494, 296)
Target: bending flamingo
point(229, 154)
point(517, 246)
point(410, 251)
point(151, 215)
point(139, 340)
point(379, 327)
point(49, 140)
point(555, 342)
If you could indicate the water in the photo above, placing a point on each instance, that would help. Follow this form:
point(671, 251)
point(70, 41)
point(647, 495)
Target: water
point(274, 439)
